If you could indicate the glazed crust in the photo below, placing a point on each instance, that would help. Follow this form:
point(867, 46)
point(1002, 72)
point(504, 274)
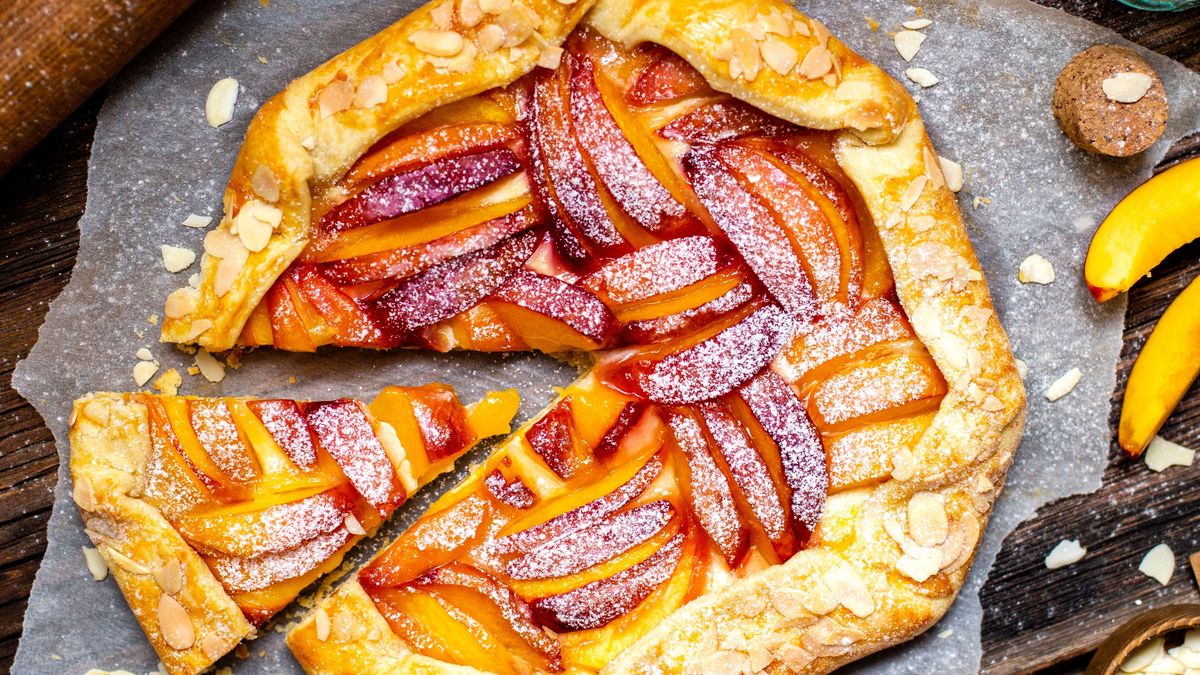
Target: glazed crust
point(886, 561)
point(110, 449)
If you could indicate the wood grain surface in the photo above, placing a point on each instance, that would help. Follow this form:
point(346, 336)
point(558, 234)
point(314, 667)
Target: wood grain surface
point(1034, 618)
point(58, 52)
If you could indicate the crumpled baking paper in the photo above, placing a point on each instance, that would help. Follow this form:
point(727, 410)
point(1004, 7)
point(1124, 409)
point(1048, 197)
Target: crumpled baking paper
point(154, 161)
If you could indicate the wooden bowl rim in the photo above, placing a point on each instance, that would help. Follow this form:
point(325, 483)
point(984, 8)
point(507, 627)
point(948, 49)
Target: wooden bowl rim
point(1142, 628)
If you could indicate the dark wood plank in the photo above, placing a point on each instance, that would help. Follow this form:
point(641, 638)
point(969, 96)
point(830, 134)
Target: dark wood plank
point(1033, 618)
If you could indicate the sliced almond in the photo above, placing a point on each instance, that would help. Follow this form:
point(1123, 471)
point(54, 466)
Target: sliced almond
point(1063, 385)
point(437, 42)
point(83, 493)
point(778, 55)
point(372, 91)
point(851, 591)
point(1159, 564)
point(489, 38)
point(927, 521)
point(1065, 552)
point(393, 72)
point(144, 354)
point(175, 624)
point(852, 90)
point(953, 172)
point(550, 57)
point(443, 15)
point(1142, 657)
point(143, 371)
point(353, 526)
point(254, 233)
point(1126, 87)
point(335, 97)
point(212, 369)
point(744, 58)
point(1022, 368)
point(495, 7)
point(177, 259)
point(169, 577)
point(321, 624)
point(180, 303)
point(470, 13)
point(309, 142)
point(1162, 454)
point(920, 564)
point(222, 98)
point(1035, 270)
point(265, 184)
point(908, 43)
point(197, 328)
point(817, 63)
point(921, 76)
point(917, 24)
point(126, 563)
point(213, 647)
point(196, 221)
point(913, 192)
point(95, 563)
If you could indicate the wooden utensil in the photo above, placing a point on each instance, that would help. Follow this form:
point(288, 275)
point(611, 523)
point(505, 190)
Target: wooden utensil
point(57, 52)
point(1137, 632)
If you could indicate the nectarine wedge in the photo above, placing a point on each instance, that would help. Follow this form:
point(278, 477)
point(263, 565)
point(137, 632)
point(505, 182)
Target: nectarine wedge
point(1165, 368)
point(1158, 217)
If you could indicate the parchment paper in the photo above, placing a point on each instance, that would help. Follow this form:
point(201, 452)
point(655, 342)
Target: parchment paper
point(154, 161)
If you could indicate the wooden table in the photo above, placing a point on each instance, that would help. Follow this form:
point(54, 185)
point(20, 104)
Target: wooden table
point(1033, 618)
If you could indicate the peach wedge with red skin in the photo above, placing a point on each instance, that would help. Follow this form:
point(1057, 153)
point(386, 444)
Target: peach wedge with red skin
point(1165, 368)
point(1147, 225)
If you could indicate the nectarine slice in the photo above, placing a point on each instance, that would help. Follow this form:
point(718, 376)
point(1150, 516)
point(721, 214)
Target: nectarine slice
point(1143, 228)
point(711, 495)
point(345, 432)
point(424, 147)
point(552, 315)
point(1163, 371)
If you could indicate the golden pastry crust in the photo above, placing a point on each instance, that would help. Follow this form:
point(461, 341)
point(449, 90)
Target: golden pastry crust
point(110, 447)
point(886, 561)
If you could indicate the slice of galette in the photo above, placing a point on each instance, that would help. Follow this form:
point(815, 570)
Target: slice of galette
point(214, 513)
point(800, 406)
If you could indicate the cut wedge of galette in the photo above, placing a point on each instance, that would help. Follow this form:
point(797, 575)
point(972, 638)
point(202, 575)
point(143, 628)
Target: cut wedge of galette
point(799, 405)
point(214, 513)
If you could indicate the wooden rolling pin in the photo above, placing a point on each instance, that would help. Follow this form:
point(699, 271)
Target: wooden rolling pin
point(56, 53)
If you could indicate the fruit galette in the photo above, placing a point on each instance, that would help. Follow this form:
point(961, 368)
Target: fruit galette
point(213, 514)
point(800, 404)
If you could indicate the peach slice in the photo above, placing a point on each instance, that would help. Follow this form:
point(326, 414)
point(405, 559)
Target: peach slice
point(896, 382)
point(863, 456)
point(481, 329)
point(667, 78)
point(746, 466)
point(662, 328)
point(654, 270)
point(421, 148)
point(629, 416)
point(554, 439)
point(447, 289)
point(1158, 217)
point(289, 333)
point(714, 366)
point(1163, 371)
point(875, 322)
point(286, 424)
point(427, 624)
point(345, 432)
point(241, 575)
point(603, 540)
point(173, 484)
point(722, 120)
point(354, 327)
point(512, 492)
point(246, 531)
point(780, 412)
point(711, 495)
point(552, 315)
point(416, 189)
point(599, 602)
point(434, 540)
point(753, 230)
point(218, 435)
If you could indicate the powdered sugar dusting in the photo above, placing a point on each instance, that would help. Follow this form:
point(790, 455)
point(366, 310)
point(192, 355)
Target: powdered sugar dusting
point(592, 545)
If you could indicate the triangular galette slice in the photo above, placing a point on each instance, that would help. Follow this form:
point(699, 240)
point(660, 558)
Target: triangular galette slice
point(801, 404)
point(214, 513)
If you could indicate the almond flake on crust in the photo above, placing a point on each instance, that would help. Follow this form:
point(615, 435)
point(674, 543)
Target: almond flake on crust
point(852, 592)
point(393, 72)
point(321, 624)
point(550, 57)
point(920, 564)
point(444, 43)
point(181, 302)
point(1035, 270)
point(927, 521)
point(95, 563)
point(177, 259)
point(1126, 87)
point(953, 172)
point(921, 76)
point(744, 58)
point(495, 7)
point(908, 43)
point(221, 100)
point(335, 97)
point(1162, 454)
point(489, 38)
point(197, 328)
point(371, 92)
point(169, 577)
point(852, 90)
point(212, 369)
point(443, 15)
point(196, 221)
point(175, 624)
point(904, 464)
point(1063, 385)
point(817, 63)
point(778, 55)
point(789, 602)
point(913, 192)
point(1066, 552)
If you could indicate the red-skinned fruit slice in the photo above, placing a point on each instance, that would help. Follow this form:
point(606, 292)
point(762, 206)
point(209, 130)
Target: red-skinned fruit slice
point(443, 291)
point(554, 439)
point(287, 330)
point(654, 270)
point(617, 164)
point(422, 148)
point(578, 319)
point(585, 515)
point(514, 611)
point(513, 493)
point(242, 575)
point(783, 416)
point(402, 263)
point(712, 497)
point(667, 78)
point(441, 420)
point(592, 545)
point(662, 328)
point(286, 425)
point(746, 466)
point(563, 178)
point(275, 529)
point(434, 540)
point(355, 328)
point(595, 604)
point(219, 436)
point(629, 416)
point(715, 366)
point(723, 120)
point(414, 190)
point(754, 232)
point(345, 432)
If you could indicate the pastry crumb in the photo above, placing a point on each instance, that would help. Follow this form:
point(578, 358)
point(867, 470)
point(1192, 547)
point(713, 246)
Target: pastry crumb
point(168, 383)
